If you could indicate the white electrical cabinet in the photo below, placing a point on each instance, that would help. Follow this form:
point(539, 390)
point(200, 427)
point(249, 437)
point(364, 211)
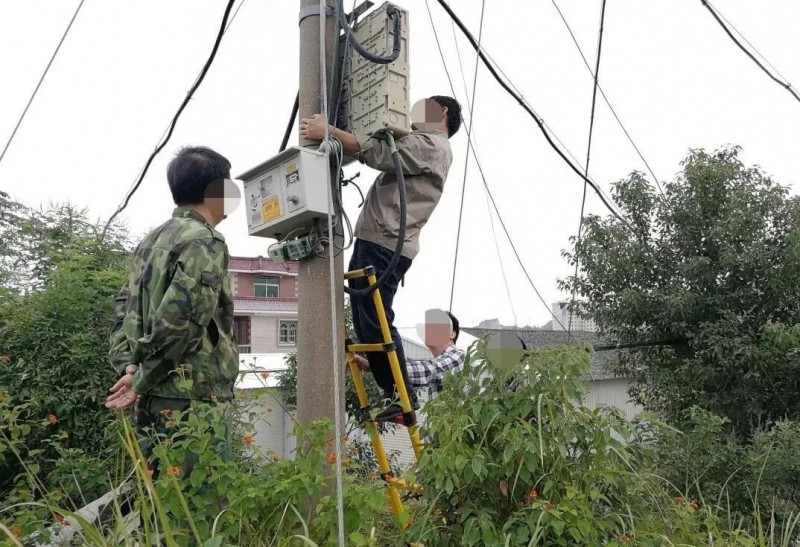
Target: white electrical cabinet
point(375, 96)
point(286, 192)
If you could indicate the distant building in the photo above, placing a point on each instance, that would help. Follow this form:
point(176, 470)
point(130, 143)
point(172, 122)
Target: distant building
point(265, 304)
point(562, 313)
point(605, 387)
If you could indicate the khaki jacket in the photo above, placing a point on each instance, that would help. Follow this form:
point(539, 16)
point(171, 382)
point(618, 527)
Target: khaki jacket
point(425, 157)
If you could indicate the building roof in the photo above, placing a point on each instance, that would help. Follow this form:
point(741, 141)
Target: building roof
point(256, 304)
point(260, 264)
point(542, 339)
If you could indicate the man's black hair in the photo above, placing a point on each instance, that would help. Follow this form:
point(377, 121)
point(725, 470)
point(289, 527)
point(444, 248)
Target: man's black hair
point(453, 113)
point(456, 330)
point(191, 171)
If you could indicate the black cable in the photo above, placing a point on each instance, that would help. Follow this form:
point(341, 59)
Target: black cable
point(608, 103)
point(401, 236)
point(391, 11)
point(290, 125)
point(471, 105)
point(786, 85)
point(486, 184)
point(589, 148)
point(38, 85)
point(191, 92)
point(530, 111)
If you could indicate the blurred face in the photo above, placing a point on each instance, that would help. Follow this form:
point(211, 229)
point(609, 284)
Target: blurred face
point(504, 350)
point(427, 115)
point(437, 331)
point(222, 198)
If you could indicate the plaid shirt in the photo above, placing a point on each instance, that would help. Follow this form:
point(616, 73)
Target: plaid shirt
point(431, 372)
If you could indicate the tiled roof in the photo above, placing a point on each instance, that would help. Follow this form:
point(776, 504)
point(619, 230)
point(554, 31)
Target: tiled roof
point(243, 304)
point(541, 339)
point(260, 264)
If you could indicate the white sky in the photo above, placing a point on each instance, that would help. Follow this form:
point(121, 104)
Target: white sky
point(672, 75)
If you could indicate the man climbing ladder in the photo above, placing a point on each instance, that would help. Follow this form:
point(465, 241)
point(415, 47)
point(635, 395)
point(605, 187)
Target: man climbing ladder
point(425, 159)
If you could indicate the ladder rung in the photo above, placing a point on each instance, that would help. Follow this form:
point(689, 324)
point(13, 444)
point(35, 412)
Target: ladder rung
point(405, 485)
point(355, 348)
point(357, 274)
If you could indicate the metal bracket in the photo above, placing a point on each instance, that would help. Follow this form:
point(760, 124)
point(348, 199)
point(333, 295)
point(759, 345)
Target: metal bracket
point(360, 10)
point(311, 10)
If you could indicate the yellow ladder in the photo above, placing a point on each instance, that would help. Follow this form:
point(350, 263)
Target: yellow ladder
point(409, 416)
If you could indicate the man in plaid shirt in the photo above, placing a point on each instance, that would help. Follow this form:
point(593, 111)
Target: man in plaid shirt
point(441, 334)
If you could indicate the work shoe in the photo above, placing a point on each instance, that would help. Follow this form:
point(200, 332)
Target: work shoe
point(392, 412)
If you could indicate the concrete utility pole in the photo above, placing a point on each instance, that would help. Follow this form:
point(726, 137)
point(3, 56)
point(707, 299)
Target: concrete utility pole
point(315, 396)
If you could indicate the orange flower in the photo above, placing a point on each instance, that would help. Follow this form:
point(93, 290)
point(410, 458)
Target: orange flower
point(695, 506)
point(248, 439)
point(331, 458)
point(17, 531)
point(265, 375)
point(548, 506)
point(165, 411)
point(274, 457)
point(61, 520)
point(150, 473)
point(52, 419)
point(269, 409)
point(213, 398)
point(174, 470)
point(625, 538)
point(532, 494)
point(329, 443)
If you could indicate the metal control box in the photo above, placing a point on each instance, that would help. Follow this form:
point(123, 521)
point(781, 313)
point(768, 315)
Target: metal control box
point(374, 96)
point(286, 192)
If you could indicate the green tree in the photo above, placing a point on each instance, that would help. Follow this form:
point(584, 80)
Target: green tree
point(711, 272)
point(55, 313)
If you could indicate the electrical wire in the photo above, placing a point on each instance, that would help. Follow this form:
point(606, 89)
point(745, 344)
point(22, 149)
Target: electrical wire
point(605, 98)
point(335, 352)
point(166, 138)
point(486, 185)
point(589, 147)
point(783, 83)
point(41, 79)
point(466, 158)
point(290, 125)
point(531, 112)
point(472, 135)
point(385, 60)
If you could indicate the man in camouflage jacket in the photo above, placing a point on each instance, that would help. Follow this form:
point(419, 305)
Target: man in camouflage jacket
point(173, 340)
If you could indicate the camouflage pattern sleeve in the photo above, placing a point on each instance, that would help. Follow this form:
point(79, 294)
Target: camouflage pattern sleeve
point(179, 321)
point(120, 355)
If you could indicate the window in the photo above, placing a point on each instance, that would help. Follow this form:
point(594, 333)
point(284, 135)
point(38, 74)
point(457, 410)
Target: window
point(287, 333)
point(267, 286)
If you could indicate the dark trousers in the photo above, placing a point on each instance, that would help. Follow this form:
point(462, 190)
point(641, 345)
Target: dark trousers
point(365, 316)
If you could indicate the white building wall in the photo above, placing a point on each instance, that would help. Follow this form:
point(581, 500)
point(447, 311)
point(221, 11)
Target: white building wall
point(612, 392)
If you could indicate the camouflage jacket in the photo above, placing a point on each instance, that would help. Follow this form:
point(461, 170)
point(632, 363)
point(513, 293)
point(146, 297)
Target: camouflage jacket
point(174, 316)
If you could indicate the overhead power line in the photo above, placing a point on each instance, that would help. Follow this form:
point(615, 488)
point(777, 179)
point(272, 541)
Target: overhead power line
point(466, 159)
point(530, 111)
point(589, 143)
point(165, 139)
point(41, 79)
point(471, 133)
point(781, 82)
point(486, 185)
point(605, 98)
